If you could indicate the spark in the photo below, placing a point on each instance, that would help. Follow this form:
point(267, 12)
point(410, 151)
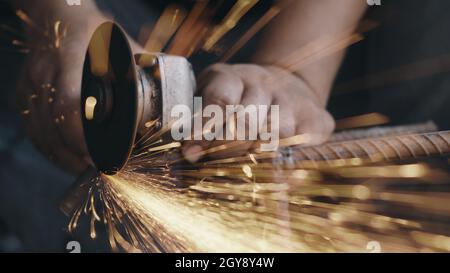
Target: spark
point(261, 23)
point(49, 39)
point(168, 23)
point(247, 170)
point(366, 120)
point(229, 22)
point(165, 147)
point(57, 33)
point(153, 205)
point(191, 32)
point(26, 19)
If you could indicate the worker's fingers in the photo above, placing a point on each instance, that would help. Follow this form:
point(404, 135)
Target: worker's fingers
point(218, 86)
point(257, 97)
point(252, 98)
point(320, 128)
point(222, 88)
point(252, 86)
point(287, 120)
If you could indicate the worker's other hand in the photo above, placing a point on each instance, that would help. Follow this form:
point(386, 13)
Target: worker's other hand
point(301, 110)
point(49, 91)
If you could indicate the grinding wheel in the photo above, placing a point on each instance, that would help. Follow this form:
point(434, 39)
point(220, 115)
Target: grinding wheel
point(119, 96)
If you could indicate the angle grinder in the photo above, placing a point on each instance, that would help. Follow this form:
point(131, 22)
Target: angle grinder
point(121, 92)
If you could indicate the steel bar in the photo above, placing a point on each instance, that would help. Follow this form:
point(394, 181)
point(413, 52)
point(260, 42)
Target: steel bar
point(399, 147)
point(384, 131)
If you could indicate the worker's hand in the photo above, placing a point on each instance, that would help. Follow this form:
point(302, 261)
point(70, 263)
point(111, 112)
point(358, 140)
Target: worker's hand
point(301, 111)
point(49, 91)
point(49, 94)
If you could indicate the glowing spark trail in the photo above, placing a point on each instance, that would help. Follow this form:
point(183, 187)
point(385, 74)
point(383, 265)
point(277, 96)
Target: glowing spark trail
point(236, 13)
point(255, 205)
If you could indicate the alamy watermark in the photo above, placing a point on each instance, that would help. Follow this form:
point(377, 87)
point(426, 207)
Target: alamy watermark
point(374, 247)
point(374, 2)
point(232, 122)
point(73, 247)
point(73, 2)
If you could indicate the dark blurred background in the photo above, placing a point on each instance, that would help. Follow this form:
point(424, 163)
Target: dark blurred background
point(401, 69)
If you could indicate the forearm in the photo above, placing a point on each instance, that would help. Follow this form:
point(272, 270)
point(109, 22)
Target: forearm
point(299, 39)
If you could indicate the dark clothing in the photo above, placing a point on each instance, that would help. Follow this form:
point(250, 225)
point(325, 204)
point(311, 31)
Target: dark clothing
point(402, 67)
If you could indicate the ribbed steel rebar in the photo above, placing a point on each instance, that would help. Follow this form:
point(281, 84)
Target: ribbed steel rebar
point(384, 131)
point(390, 148)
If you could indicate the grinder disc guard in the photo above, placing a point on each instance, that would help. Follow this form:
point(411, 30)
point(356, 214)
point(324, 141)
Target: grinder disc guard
point(109, 79)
